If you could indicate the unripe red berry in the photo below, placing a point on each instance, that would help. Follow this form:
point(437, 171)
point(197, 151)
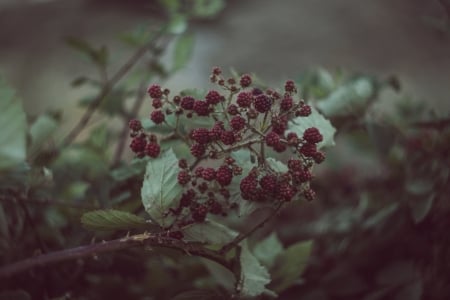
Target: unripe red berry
point(209, 174)
point(244, 99)
point(215, 207)
point(187, 102)
point(280, 147)
point(156, 103)
point(200, 135)
point(152, 149)
point(269, 183)
point(198, 150)
point(182, 163)
point(216, 71)
point(304, 111)
point(199, 213)
point(237, 123)
point(248, 186)
point(289, 86)
point(245, 80)
point(286, 103)
point(279, 124)
point(272, 139)
point(227, 137)
point(224, 175)
point(178, 235)
point(233, 109)
point(138, 144)
point(216, 131)
point(135, 125)
point(155, 91)
point(286, 191)
point(295, 165)
point(201, 108)
point(319, 157)
point(312, 135)
point(309, 194)
point(157, 116)
point(262, 103)
point(302, 176)
point(308, 149)
point(183, 177)
point(213, 97)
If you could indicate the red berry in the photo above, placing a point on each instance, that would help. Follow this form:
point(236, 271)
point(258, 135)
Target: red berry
point(233, 109)
point(209, 174)
point(183, 177)
point(248, 187)
point(215, 207)
point(286, 103)
point(304, 111)
point(279, 124)
point(178, 235)
point(280, 147)
point(272, 139)
point(262, 103)
point(302, 176)
point(200, 135)
point(135, 125)
point(187, 197)
point(312, 135)
point(224, 175)
point(138, 144)
point(182, 163)
point(155, 91)
point(187, 102)
point(199, 171)
point(153, 149)
point(216, 131)
point(319, 157)
point(244, 99)
point(157, 116)
point(201, 108)
point(295, 165)
point(289, 86)
point(213, 97)
point(198, 150)
point(286, 191)
point(308, 149)
point(216, 71)
point(199, 213)
point(292, 138)
point(256, 92)
point(269, 183)
point(309, 194)
point(245, 80)
point(157, 103)
point(237, 123)
point(227, 137)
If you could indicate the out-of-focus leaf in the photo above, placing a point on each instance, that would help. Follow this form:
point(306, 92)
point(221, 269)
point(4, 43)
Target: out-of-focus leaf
point(268, 249)
point(160, 188)
point(254, 277)
point(111, 220)
point(163, 128)
point(380, 215)
point(41, 130)
point(420, 206)
point(300, 124)
point(98, 56)
point(184, 47)
point(277, 165)
point(412, 291)
point(172, 6)
point(200, 295)
point(4, 232)
point(16, 295)
point(138, 36)
point(112, 105)
point(344, 282)
point(13, 128)
point(382, 137)
point(397, 273)
point(289, 266)
point(178, 24)
point(221, 275)
point(99, 138)
point(419, 187)
point(135, 167)
point(207, 8)
point(209, 232)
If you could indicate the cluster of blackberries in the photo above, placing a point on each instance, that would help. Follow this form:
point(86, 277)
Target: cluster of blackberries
point(143, 144)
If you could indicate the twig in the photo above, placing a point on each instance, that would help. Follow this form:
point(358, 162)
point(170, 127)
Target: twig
point(434, 124)
point(107, 87)
point(140, 240)
point(243, 236)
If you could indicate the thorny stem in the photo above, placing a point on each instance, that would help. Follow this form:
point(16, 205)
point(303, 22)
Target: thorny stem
point(139, 240)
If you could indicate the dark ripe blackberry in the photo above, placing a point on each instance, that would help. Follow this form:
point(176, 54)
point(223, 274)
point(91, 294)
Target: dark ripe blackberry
point(244, 99)
point(224, 175)
point(233, 110)
point(319, 157)
point(183, 177)
point(216, 131)
point(248, 185)
point(182, 163)
point(262, 103)
point(280, 147)
point(289, 86)
point(135, 125)
point(272, 139)
point(200, 135)
point(215, 207)
point(308, 149)
point(199, 213)
point(213, 97)
point(286, 103)
point(286, 191)
point(227, 137)
point(138, 144)
point(156, 103)
point(178, 235)
point(245, 81)
point(309, 194)
point(237, 123)
point(157, 116)
point(304, 111)
point(269, 184)
point(279, 124)
point(198, 150)
point(301, 176)
point(198, 172)
point(155, 91)
point(201, 108)
point(209, 174)
point(256, 92)
point(312, 135)
point(187, 102)
point(295, 165)
point(152, 149)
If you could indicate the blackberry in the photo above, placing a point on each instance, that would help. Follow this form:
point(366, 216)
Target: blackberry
point(213, 97)
point(227, 137)
point(309, 194)
point(157, 103)
point(138, 144)
point(157, 116)
point(272, 138)
point(237, 123)
point(198, 150)
point(269, 183)
point(308, 149)
point(319, 157)
point(215, 207)
point(201, 108)
point(135, 125)
point(199, 172)
point(304, 111)
point(295, 165)
point(216, 131)
point(244, 99)
point(183, 177)
point(209, 174)
point(302, 176)
point(286, 191)
point(187, 102)
point(182, 163)
point(286, 103)
point(256, 92)
point(248, 184)
point(233, 109)
point(199, 213)
point(262, 103)
point(279, 124)
point(224, 175)
point(289, 86)
point(312, 135)
point(200, 135)
point(152, 149)
point(155, 91)
point(280, 147)
point(245, 81)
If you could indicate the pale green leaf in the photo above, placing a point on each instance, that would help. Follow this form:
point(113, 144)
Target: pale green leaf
point(268, 249)
point(178, 24)
point(184, 47)
point(111, 220)
point(289, 265)
point(209, 232)
point(160, 189)
point(41, 130)
point(254, 276)
point(207, 8)
point(300, 124)
point(13, 128)
point(277, 165)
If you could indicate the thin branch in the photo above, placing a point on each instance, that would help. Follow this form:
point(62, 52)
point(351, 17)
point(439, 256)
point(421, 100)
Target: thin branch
point(434, 124)
point(107, 87)
point(139, 240)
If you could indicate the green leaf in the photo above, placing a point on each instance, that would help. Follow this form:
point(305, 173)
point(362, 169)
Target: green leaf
point(184, 47)
point(111, 105)
point(163, 128)
point(268, 249)
point(207, 8)
point(348, 98)
point(111, 220)
point(160, 189)
point(13, 128)
point(315, 119)
point(178, 24)
point(289, 265)
point(41, 130)
point(136, 166)
point(254, 276)
point(172, 6)
point(199, 295)
point(209, 232)
point(98, 56)
point(277, 165)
